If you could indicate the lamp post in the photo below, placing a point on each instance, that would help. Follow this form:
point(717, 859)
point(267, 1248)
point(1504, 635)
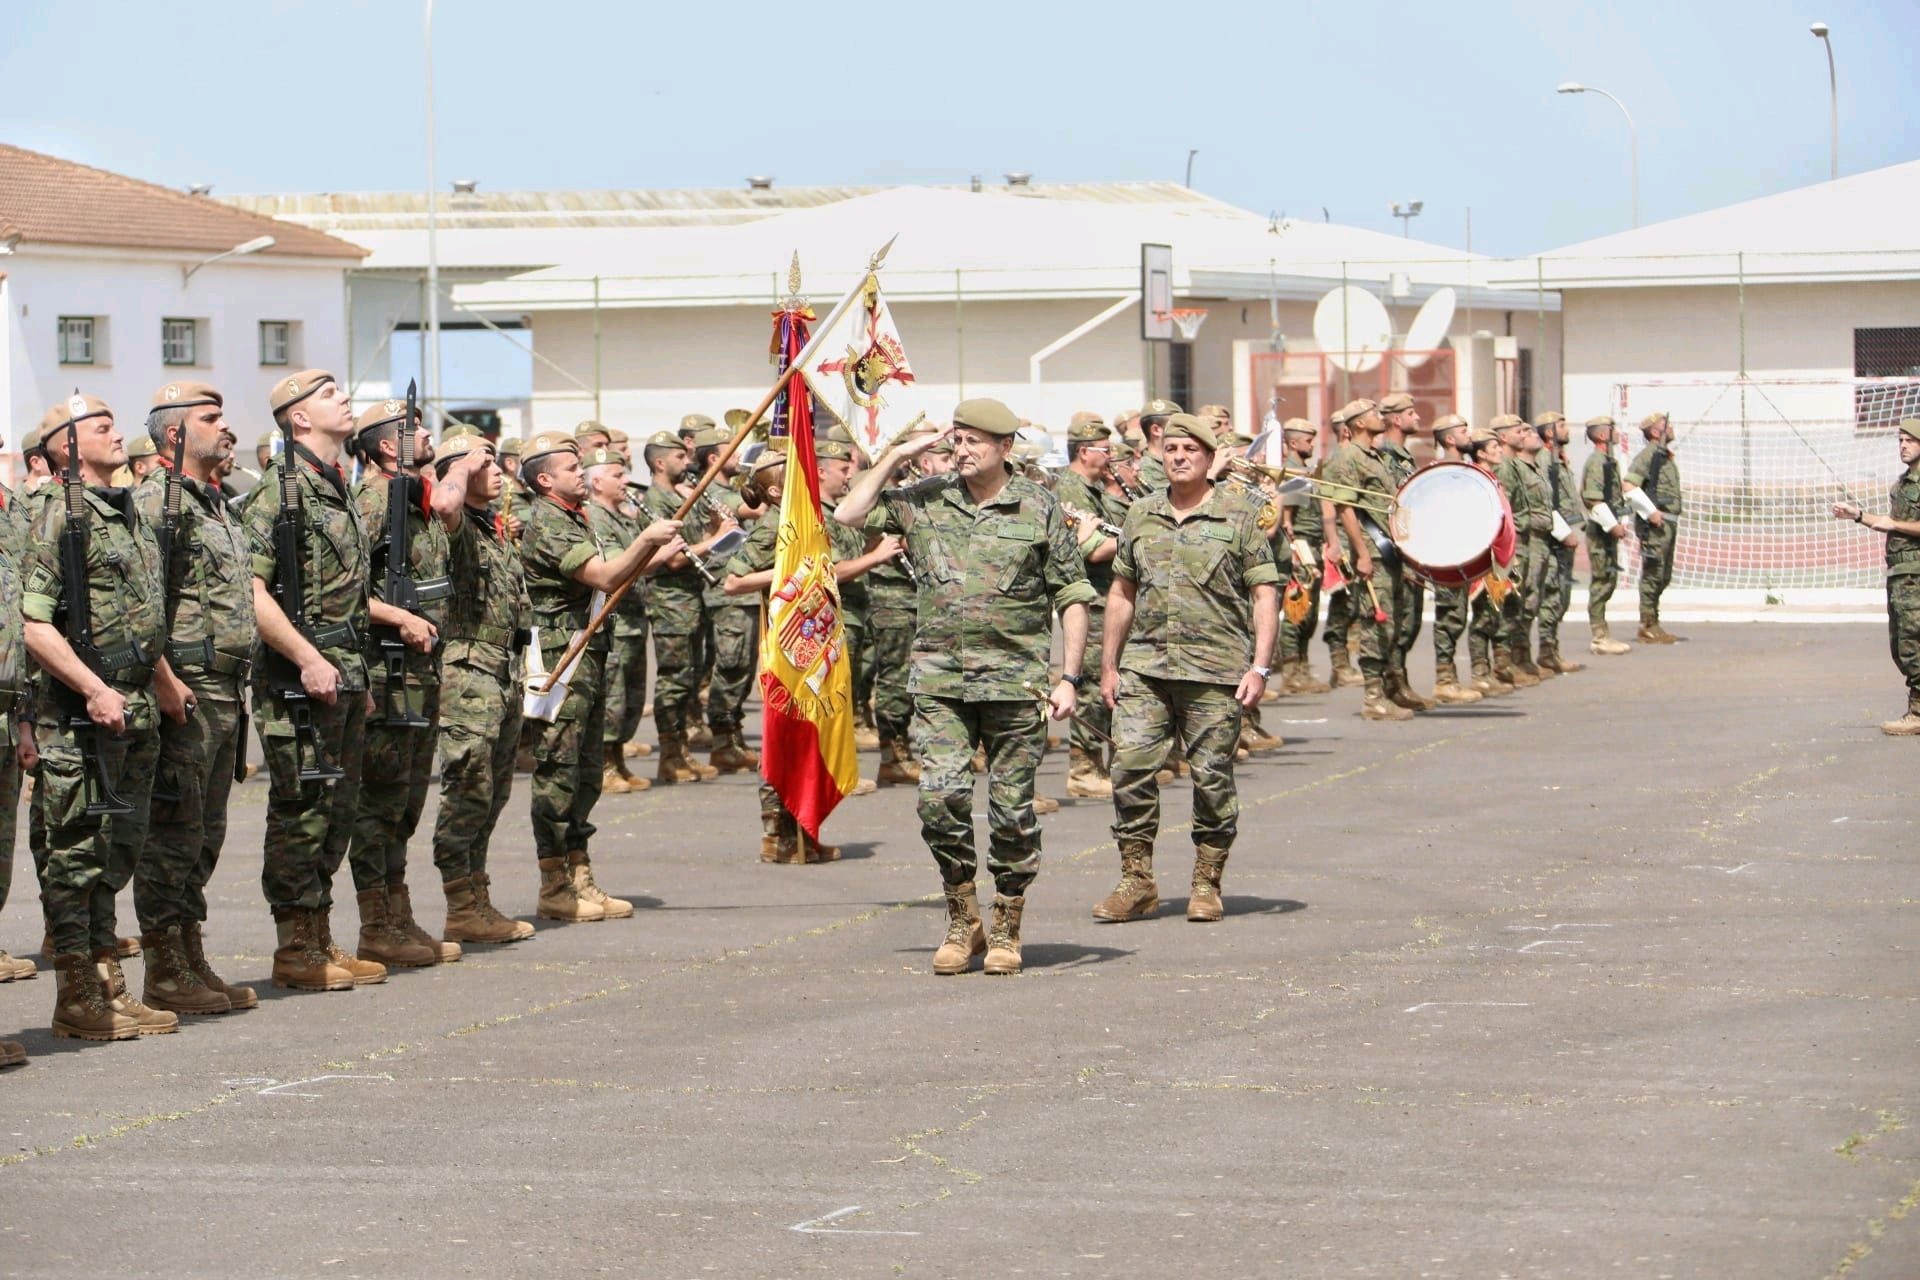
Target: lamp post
point(254, 245)
point(1191, 153)
point(1633, 138)
point(1821, 34)
point(1407, 213)
point(431, 356)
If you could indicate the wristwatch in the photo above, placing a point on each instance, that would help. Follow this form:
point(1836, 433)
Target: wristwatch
point(1265, 673)
point(1078, 682)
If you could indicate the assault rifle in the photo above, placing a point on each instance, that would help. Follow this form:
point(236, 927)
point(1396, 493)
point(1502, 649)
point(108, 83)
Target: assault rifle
point(402, 592)
point(164, 538)
point(290, 593)
point(97, 785)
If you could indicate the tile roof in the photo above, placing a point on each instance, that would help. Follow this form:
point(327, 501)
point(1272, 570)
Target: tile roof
point(47, 200)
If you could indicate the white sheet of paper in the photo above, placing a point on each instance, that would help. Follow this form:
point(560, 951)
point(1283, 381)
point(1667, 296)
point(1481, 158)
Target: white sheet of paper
point(1602, 515)
point(1639, 501)
point(534, 704)
point(1560, 529)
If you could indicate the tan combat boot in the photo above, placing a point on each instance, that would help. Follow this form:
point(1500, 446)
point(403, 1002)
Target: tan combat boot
point(730, 754)
point(634, 750)
point(1907, 726)
point(1550, 659)
point(12, 970)
point(675, 767)
point(400, 911)
point(1044, 805)
point(1299, 678)
point(1485, 683)
point(170, 984)
point(365, 972)
point(1522, 659)
point(381, 939)
point(1662, 635)
point(965, 938)
point(1402, 694)
point(1376, 705)
point(865, 736)
point(812, 850)
point(559, 900)
point(151, 1022)
point(238, 998)
point(81, 1010)
point(1003, 942)
point(1254, 736)
point(300, 963)
point(740, 745)
point(633, 780)
point(1203, 900)
point(472, 918)
point(700, 737)
point(1084, 779)
point(1604, 644)
point(492, 915)
point(1345, 674)
point(613, 776)
point(1447, 691)
point(581, 871)
point(1506, 669)
point(1135, 897)
point(896, 766)
point(126, 948)
point(12, 1053)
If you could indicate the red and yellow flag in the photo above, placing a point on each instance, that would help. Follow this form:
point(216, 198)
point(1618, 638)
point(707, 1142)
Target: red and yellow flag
point(806, 677)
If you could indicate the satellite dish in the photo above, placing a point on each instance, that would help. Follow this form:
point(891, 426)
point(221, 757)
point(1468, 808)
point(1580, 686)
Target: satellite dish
point(1429, 327)
point(1352, 328)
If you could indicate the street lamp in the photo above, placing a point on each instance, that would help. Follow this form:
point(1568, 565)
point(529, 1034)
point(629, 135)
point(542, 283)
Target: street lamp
point(431, 355)
point(1820, 33)
point(254, 245)
point(1407, 213)
point(1633, 138)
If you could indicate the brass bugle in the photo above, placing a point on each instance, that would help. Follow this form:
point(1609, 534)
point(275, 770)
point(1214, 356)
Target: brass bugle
point(1255, 474)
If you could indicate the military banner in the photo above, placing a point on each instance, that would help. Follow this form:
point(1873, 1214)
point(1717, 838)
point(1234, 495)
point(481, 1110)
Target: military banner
point(854, 360)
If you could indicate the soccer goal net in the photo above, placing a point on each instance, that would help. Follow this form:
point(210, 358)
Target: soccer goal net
point(1762, 461)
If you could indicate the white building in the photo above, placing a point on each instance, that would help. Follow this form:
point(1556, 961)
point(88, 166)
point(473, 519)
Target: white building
point(96, 294)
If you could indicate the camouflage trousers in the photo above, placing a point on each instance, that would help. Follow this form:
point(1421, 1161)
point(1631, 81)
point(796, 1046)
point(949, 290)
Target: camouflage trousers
point(1410, 601)
point(1295, 636)
point(945, 732)
point(677, 646)
point(1379, 647)
point(892, 654)
point(184, 836)
point(1449, 624)
point(863, 656)
point(736, 644)
point(1093, 713)
point(88, 859)
point(1205, 720)
point(479, 732)
point(1556, 594)
point(1484, 630)
point(398, 765)
point(1656, 564)
point(309, 824)
point(1339, 630)
point(567, 764)
point(626, 684)
point(1522, 605)
point(1603, 559)
point(9, 802)
point(1903, 631)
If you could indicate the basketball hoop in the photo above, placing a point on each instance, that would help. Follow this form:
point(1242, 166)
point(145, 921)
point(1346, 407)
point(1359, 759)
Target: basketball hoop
point(1189, 320)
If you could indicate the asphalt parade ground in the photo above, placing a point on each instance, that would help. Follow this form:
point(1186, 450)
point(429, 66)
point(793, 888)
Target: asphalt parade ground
point(1612, 977)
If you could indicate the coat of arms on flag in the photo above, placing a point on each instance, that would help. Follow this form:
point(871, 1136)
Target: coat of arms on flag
point(856, 359)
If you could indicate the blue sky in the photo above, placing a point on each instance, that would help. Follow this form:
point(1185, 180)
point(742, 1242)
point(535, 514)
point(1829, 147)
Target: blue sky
point(1294, 107)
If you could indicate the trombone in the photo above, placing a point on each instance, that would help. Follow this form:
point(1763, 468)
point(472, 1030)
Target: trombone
point(1286, 481)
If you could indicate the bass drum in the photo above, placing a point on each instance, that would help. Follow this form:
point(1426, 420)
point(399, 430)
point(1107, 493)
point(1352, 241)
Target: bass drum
point(1450, 521)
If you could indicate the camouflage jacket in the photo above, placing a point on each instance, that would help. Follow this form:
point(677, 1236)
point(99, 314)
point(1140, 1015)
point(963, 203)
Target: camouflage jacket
point(615, 531)
point(755, 555)
point(1307, 523)
point(1527, 493)
point(989, 577)
point(1600, 482)
point(13, 649)
point(1193, 578)
point(488, 613)
point(848, 544)
point(1564, 494)
point(1357, 471)
point(891, 590)
point(556, 543)
point(1666, 485)
point(676, 597)
point(1399, 462)
point(123, 588)
point(1152, 473)
point(211, 583)
point(1072, 489)
point(722, 497)
point(336, 558)
point(1903, 549)
point(426, 557)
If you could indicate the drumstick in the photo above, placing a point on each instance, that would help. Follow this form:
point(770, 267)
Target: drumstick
point(1379, 614)
point(1076, 717)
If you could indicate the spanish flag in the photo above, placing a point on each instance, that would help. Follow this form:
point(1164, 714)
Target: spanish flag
point(806, 678)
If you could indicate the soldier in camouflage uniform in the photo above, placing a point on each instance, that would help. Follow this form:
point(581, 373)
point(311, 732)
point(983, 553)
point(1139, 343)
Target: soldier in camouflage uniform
point(1081, 486)
point(1153, 419)
point(1655, 473)
point(891, 595)
point(1901, 524)
point(1600, 487)
point(15, 713)
point(1527, 493)
point(210, 595)
point(995, 556)
point(614, 525)
point(1450, 435)
point(124, 685)
point(676, 609)
point(1338, 632)
point(397, 762)
point(1483, 629)
point(1399, 419)
point(1359, 471)
point(1557, 594)
point(1194, 616)
point(1302, 531)
point(564, 570)
point(732, 629)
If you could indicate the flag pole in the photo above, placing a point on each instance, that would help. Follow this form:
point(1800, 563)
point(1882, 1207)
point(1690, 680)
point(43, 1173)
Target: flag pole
point(747, 425)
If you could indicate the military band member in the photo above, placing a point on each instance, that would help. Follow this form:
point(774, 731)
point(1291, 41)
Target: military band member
point(1338, 632)
point(1400, 419)
point(1901, 524)
point(1358, 471)
point(565, 571)
point(1527, 493)
point(1304, 534)
point(1604, 498)
point(124, 687)
point(1194, 613)
point(1450, 607)
point(995, 555)
point(1483, 635)
point(1557, 593)
point(1152, 420)
point(210, 588)
point(1081, 486)
point(398, 757)
point(614, 525)
point(676, 608)
point(1653, 489)
point(732, 630)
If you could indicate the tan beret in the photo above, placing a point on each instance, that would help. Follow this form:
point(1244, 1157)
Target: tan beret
point(1123, 452)
point(459, 443)
point(1298, 426)
point(1448, 423)
point(381, 414)
point(30, 442)
point(512, 447)
point(185, 395)
point(1598, 421)
point(768, 460)
point(459, 429)
point(1398, 402)
point(591, 428)
point(1909, 427)
point(141, 446)
point(1088, 432)
point(1082, 417)
point(710, 437)
point(985, 414)
point(1192, 427)
point(1653, 419)
point(544, 443)
point(266, 440)
point(294, 388)
point(665, 440)
point(1355, 408)
point(1507, 422)
point(75, 408)
point(616, 436)
point(1158, 409)
point(606, 457)
point(1548, 418)
point(695, 422)
point(1480, 435)
point(832, 451)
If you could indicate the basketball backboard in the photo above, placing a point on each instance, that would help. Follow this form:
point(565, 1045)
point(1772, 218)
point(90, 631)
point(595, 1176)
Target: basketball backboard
point(1156, 293)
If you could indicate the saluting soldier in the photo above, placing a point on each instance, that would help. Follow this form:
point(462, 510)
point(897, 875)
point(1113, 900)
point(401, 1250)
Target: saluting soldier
point(1081, 487)
point(1450, 436)
point(1305, 532)
point(1358, 472)
point(564, 569)
point(1527, 493)
point(996, 556)
point(676, 609)
point(615, 524)
point(1557, 592)
point(1604, 498)
point(1901, 524)
point(1653, 479)
point(891, 595)
point(1194, 613)
point(1400, 419)
point(116, 694)
point(398, 757)
point(209, 584)
point(483, 636)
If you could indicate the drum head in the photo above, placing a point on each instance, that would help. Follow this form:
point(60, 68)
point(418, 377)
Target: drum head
point(1448, 516)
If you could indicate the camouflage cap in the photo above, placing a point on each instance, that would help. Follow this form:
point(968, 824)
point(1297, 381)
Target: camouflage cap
point(1398, 402)
point(1123, 452)
point(294, 388)
point(829, 450)
point(1338, 418)
point(1194, 428)
point(547, 442)
point(603, 457)
point(185, 395)
point(986, 414)
point(695, 422)
point(1354, 409)
point(1083, 416)
point(1507, 422)
point(710, 437)
point(1158, 409)
point(591, 428)
point(1298, 426)
point(1653, 420)
point(141, 446)
point(1549, 418)
point(1089, 432)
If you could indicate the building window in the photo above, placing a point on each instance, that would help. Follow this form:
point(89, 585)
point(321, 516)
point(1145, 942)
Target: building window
point(76, 339)
point(179, 342)
point(276, 342)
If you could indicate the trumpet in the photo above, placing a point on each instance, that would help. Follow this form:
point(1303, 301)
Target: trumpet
point(1285, 481)
point(1076, 515)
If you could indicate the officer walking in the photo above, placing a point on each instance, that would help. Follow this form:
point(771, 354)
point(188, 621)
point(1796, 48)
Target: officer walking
point(1901, 524)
